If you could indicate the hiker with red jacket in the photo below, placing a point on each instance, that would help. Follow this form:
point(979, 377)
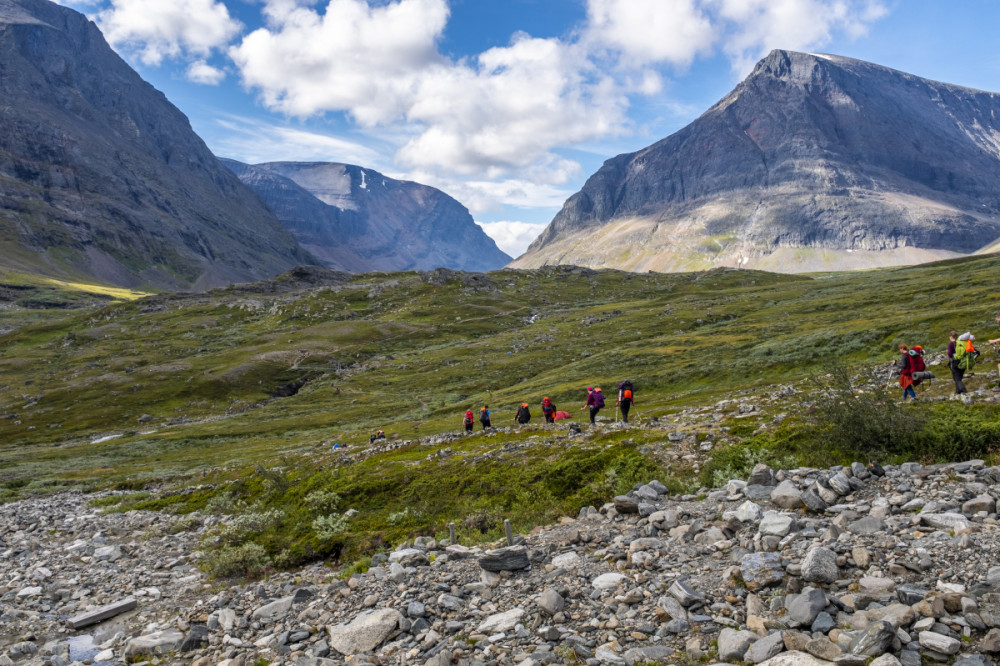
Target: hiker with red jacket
point(595, 401)
point(548, 410)
point(906, 372)
point(468, 421)
point(626, 398)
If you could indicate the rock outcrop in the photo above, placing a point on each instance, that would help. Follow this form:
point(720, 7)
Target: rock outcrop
point(814, 162)
point(102, 178)
point(356, 219)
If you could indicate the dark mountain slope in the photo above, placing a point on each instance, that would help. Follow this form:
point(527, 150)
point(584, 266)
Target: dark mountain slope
point(812, 162)
point(357, 219)
point(101, 177)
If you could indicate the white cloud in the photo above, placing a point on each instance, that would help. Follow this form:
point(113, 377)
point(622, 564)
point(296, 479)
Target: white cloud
point(512, 237)
point(156, 30)
point(201, 72)
point(355, 58)
point(252, 141)
point(757, 26)
point(651, 31)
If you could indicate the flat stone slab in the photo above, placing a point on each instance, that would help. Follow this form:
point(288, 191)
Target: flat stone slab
point(101, 614)
point(158, 644)
point(501, 622)
point(365, 633)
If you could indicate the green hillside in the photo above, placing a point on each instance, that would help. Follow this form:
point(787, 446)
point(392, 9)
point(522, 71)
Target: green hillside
point(175, 391)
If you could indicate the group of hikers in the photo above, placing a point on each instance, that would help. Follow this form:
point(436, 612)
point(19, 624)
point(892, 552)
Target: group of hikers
point(595, 403)
point(962, 355)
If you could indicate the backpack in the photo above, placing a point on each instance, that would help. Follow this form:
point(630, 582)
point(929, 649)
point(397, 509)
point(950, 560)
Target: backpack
point(965, 356)
point(484, 415)
point(626, 389)
point(523, 414)
point(598, 399)
point(468, 418)
point(917, 363)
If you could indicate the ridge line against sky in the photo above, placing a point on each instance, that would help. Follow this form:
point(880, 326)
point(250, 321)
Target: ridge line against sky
point(507, 105)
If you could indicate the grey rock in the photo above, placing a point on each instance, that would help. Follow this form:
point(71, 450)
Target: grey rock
point(416, 609)
point(734, 644)
point(776, 524)
point(939, 643)
point(803, 608)
point(685, 594)
point(820, 566)
point(911, 594)
point(757, 492)
point(654, 654)
point(867, 525)
point(764, 648)
point(511, 558)
point(812, 501)
point(626, 504)
point(500, 622)
point(875, 640)
point(823, 623)
point(760, 570)
point(550, 601)
point(787, 495)
point(823, 648)
point(980, 503)
point(363, 634)
point(840, 483)
point(275, 609)
point(409, 557)
point(157, 644)
point(196, 639)
point(761, 475)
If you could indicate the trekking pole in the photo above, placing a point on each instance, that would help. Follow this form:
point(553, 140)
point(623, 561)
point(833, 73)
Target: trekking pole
point(616, 411)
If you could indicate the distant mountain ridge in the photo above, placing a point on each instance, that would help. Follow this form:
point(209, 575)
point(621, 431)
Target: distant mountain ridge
point(357, 219)
point(813, 162)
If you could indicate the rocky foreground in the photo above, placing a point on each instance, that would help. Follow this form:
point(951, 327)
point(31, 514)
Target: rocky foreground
point(789, 567)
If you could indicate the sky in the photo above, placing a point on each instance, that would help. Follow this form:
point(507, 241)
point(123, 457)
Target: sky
point(506, 105)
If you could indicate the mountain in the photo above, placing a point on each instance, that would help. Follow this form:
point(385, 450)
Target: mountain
point(357, 219)
point(814, 162)
point(102, 178)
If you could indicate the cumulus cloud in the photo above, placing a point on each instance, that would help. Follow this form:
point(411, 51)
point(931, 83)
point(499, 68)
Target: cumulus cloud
point(757, 26)
point(252, 141)
point(155, 30)
point(354, 57)
point(201, 72)
point(651, 31)
point(512, 237)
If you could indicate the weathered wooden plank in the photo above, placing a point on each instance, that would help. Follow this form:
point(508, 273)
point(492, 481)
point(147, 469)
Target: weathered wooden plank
point(102, 613)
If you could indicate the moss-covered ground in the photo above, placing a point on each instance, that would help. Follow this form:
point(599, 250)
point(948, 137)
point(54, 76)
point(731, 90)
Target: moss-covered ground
point(197, 396)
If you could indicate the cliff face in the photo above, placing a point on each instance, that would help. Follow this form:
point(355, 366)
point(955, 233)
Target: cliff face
point(813, 162)
point(357, 219)
point(101, 177)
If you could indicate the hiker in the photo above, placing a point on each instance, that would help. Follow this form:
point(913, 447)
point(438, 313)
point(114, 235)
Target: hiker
point(371, 440)
point(523, 414)
point(906, 372)
point(595, 401)
point(995, 342)
point(625, 398)
point(380, 434)
point(953, 362)
point(918, 367)
point(484, 417)
point(548, 410)
point(468, 421)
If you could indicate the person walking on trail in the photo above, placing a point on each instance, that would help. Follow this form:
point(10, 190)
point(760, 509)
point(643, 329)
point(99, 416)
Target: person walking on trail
point(595, 401)
point(548, 410)
point(995, 342)
point(626, 398)
point(484, 417)
point(953, 363)
point(468, 420)
point(523, 414)
point(906, 372)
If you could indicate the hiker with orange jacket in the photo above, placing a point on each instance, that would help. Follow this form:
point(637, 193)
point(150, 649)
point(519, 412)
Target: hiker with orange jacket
point(548, 410)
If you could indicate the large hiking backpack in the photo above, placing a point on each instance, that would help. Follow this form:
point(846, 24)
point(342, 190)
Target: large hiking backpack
point(484, 416)
point(626, 389)
point(965, 356)
point(523, 414)
point(598, 399)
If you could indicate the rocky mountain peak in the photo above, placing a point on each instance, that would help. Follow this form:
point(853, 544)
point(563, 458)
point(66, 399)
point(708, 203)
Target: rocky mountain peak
point(813, 162)
point(104, 178)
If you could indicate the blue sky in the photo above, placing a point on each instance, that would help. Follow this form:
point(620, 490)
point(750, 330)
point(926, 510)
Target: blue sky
point(507, 105)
